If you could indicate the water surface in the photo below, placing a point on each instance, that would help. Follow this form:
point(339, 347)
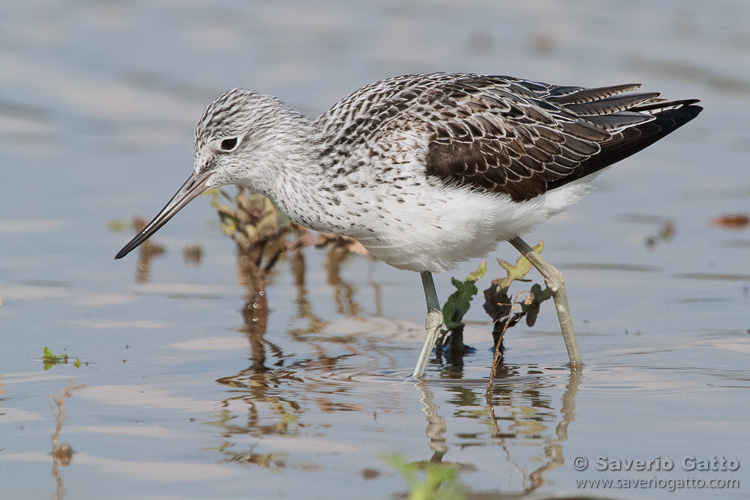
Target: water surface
point(189, 394)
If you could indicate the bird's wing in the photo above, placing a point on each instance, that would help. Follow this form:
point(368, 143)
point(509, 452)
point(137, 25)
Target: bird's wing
point(498, 133)
point(517, 137)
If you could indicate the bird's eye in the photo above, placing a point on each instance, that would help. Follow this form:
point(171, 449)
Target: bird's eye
point(228, 144)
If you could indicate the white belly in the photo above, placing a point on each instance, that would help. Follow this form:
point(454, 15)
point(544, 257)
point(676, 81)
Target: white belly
point(434, 228)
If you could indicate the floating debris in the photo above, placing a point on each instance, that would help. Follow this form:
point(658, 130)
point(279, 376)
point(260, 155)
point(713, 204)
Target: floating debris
point(192, 254)
point(665, 234)
point(732, 221)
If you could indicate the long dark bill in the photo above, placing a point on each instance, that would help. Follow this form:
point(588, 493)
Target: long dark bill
point(195, 186)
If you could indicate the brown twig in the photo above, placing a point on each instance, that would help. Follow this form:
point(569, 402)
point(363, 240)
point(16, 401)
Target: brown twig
point(61, 453)
point(498, 353)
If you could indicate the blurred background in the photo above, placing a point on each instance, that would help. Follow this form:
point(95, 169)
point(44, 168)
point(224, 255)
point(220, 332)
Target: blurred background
point(187, 398)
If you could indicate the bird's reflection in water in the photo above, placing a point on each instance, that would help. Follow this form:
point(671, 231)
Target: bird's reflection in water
point(506, 395)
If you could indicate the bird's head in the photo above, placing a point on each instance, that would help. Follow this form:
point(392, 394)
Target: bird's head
point(234, 135)
point(231, 138)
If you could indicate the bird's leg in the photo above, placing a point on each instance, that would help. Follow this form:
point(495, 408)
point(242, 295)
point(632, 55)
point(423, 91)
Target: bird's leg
point(554, 280)
point(432, 324)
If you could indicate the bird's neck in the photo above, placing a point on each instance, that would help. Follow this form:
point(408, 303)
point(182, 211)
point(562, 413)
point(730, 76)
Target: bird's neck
point(295, 174)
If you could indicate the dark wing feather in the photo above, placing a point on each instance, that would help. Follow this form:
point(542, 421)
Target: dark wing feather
point(668, 116)
point(522, 138)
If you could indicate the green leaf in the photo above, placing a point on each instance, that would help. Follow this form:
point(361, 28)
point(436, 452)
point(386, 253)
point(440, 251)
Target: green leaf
point(518, 271)
point(49, 359)
point(532, 309)
point(429, 481)
point(458, 303)
point(450, 312)
point(481, 270)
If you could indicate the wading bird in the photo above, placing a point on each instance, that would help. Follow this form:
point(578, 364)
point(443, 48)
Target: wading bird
point(428, 170)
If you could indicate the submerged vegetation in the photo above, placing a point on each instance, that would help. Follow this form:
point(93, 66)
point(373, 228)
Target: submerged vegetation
point(62, 453)
point(504, 311)
point(429, 480)
point(49, 359)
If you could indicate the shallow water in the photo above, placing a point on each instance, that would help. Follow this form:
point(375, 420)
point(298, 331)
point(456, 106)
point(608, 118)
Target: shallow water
point(186, 396)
